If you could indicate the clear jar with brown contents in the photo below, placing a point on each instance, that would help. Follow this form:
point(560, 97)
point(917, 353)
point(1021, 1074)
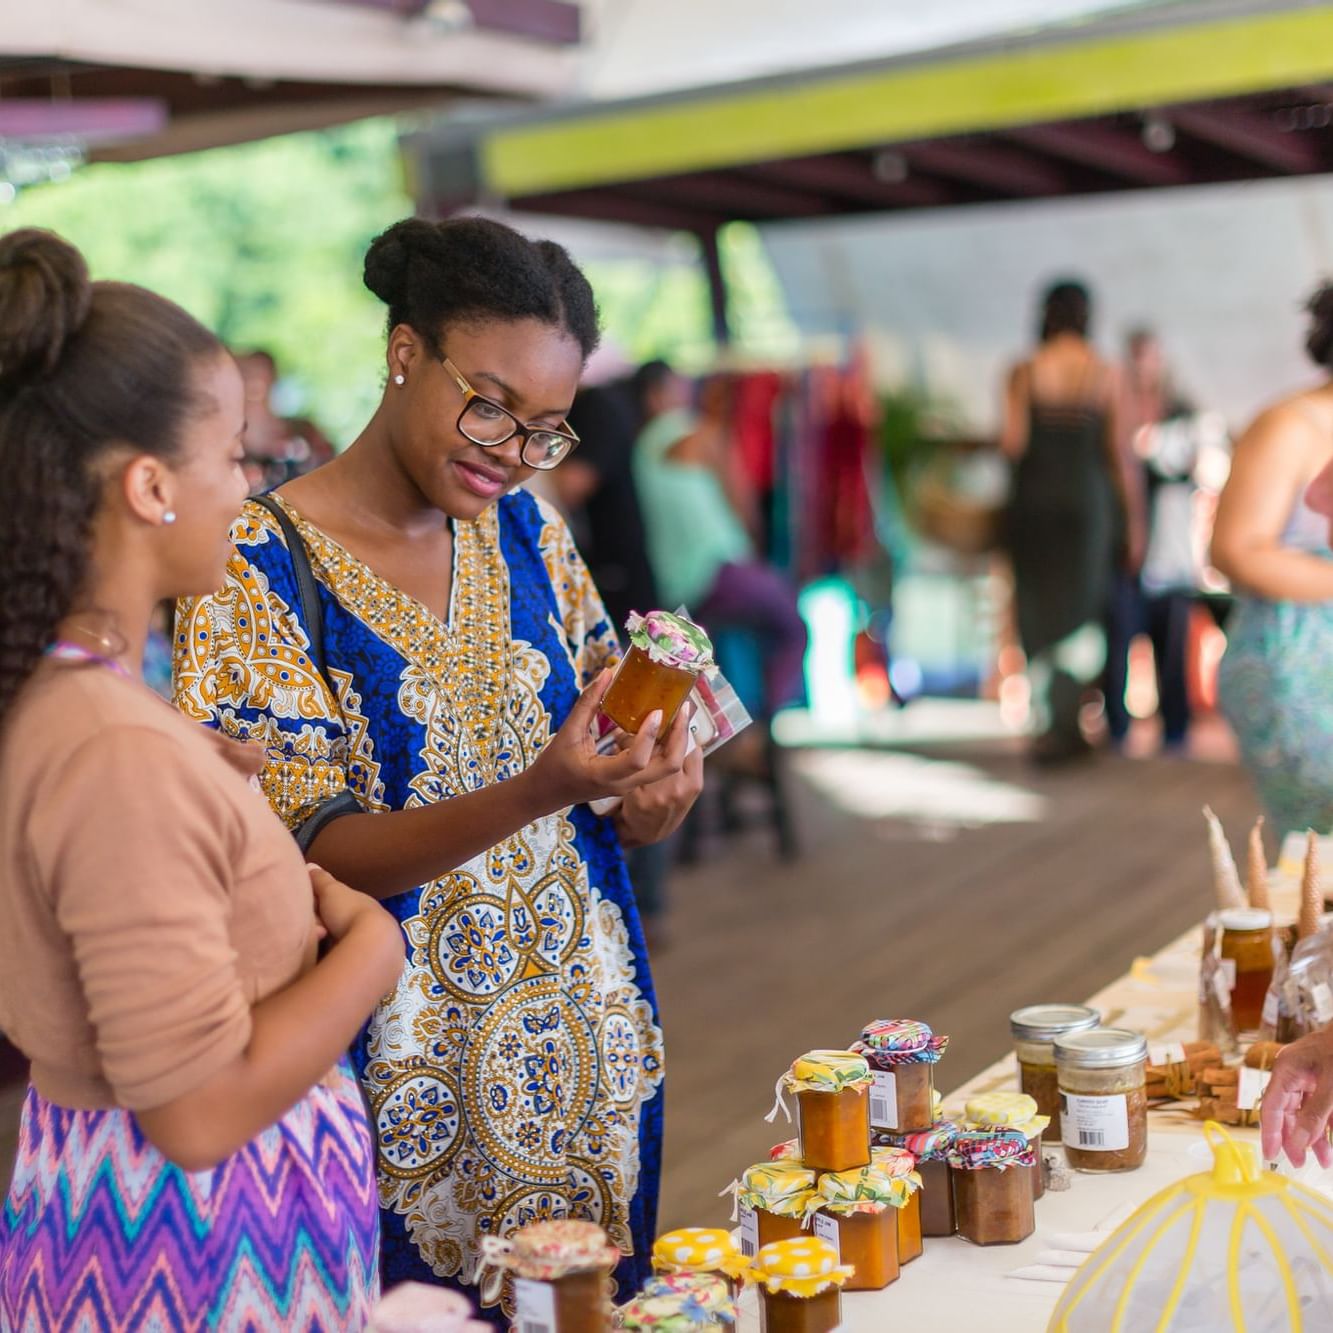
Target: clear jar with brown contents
point(799, 1285)
point(561, 1273)
point(667, 655)
point(1035, 1030)
point(1246, 949)
point(902, 1054)
point(992, 1186)
point(929, 1150)
point(834, 1129)
point(1104, 1101)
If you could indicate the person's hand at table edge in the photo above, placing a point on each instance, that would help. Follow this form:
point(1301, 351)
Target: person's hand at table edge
point(1297, 1106)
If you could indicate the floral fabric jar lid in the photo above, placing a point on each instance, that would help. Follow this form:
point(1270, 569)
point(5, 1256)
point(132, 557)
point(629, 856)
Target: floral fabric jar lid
point(782, 1188)
point(894, 1162)
point(804, 1267)
point(698, 1250)
point(868, 1189)
point(671, 640)
point(979, 1149)
point(926, 1145)
point(1008, 1110)
point(790, 1151)
point(887, 1042)
point(545, 1251)
point(679, 1303)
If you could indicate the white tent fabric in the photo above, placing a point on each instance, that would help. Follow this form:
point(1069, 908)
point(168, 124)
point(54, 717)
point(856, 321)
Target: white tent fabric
point(637, 47)
point(949, 298)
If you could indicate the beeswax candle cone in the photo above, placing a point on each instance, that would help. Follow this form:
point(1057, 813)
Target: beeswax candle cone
point(1226, 879)
point(1256, 869)
point(1312, 900)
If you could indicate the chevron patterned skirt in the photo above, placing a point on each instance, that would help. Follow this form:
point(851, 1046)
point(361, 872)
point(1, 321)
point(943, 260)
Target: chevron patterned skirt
point(101, 1234)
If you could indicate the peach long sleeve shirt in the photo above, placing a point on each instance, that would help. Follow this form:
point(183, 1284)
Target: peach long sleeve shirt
point(148, 896)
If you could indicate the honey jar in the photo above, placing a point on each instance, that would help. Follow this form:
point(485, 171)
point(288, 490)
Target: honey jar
point(902, 1054)
point(1247, 955)
point(800, 1285)
point(667, 655)
point(561, 1274)
point(992, 1186)
point(832, 1096)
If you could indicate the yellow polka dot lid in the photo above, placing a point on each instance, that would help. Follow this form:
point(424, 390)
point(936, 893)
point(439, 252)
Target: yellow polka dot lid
point(804, 1267)
point(888, 1182)
point(783, 1188)
point(1006, 1110)
point(699, 1250)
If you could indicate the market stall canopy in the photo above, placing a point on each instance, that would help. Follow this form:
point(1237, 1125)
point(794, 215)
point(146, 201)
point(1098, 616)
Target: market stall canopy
point(132, 80)
point(1158, 96)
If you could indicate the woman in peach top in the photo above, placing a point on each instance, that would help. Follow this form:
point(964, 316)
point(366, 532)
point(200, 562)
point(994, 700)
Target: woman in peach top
point(194, 1151)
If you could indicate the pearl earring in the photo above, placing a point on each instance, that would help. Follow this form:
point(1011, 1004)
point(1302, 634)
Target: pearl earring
point(169, 517)
point(400, 380)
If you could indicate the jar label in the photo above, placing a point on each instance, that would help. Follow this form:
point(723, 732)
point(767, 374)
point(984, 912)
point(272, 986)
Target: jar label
point(1228, 966)
point(1270, 1014)
point(1095, 1124)
point(749, 1231)
point(826, 1228)
point(884, 1100)
point(534, 1306)
point(1251, 1087)
point(1169, 1053)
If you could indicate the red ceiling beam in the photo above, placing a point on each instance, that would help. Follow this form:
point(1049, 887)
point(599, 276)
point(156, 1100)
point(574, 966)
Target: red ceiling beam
point(988, 165)
point(1250, 136)
point(1104, 149)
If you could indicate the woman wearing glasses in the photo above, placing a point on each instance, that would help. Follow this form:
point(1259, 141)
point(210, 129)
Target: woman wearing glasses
point(444, 767)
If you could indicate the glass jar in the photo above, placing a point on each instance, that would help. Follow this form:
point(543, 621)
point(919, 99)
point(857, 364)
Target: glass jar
point(1104, 1101)
point(1247, 954)
point(994, 1204)
point(1034, 1030)
point(866, 1241)
point(773, 1199)
point(902, 1054)
point(910, 1244)
point(561, 1273)
point(799, 1285)
point(937, 1203)
point(667, 655)
point(1012, 1110)
point(709, 1251)
point(579, 1301)
point(834, 1129)
point(785, 1313)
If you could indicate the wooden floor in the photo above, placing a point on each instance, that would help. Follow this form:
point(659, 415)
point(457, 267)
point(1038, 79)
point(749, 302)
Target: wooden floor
point(906, 916)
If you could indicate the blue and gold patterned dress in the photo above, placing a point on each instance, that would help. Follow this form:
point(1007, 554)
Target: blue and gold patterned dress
point(515, 1074)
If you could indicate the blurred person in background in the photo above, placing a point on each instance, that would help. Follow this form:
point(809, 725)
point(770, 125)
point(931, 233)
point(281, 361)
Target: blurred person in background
point(276, 448)
point(696, 516)
point(594, 488)
point(1074, 517)
point(1164, 439)
point(1276, 679)
point(194, 1151)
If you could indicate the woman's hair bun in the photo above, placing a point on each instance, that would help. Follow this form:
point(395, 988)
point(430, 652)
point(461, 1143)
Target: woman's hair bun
point(1319, 338)
point(389, 259)
point(45, 294)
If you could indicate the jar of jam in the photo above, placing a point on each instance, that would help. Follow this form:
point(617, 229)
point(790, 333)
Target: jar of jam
point(1035, 1030)
point(902, 1054)
point(773, 1199)
point(930, 1151)
point(800, 1285)
point(667, 655)
point(561, 1275)
point(680, 1303)
point(858, 1214)
point(992, 1186)
point(832, 1096)
point(708, 1250)
point(1104, 1100)
point(1247, 956)
point(1011, 1110)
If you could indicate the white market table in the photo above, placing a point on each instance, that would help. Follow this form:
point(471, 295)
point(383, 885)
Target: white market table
point(955, 1287)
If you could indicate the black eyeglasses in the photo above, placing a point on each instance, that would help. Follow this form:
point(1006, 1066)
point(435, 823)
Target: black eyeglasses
point(488, 424)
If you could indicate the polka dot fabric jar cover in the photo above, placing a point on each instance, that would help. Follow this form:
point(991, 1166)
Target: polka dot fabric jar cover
point(804, 1267)
point(698, 1250)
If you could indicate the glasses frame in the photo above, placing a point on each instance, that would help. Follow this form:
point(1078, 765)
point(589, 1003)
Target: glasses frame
point(518, 427)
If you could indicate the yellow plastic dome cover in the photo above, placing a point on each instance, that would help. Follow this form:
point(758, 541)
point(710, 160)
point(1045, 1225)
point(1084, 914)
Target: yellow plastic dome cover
point(1234, 1249)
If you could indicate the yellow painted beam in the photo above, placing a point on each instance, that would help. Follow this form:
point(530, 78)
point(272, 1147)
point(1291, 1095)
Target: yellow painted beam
point(1052, 81)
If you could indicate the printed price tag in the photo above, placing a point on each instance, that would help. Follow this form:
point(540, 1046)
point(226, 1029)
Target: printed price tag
point(1227, 968)
point(1322, 999)
point(749, 1231)
point(1251, 1087)
point(884, 1100)
point(535, 1306)
point(1168, 1053)
point(1095, 1124)
point(1270, 1014)
point(826, 1228)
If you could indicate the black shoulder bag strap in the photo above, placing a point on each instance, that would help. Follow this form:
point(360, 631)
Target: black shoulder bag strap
point(306, 589)
point(345, 803)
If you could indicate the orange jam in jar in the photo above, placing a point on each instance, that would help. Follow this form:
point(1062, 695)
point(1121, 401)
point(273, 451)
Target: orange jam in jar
point(667, 655)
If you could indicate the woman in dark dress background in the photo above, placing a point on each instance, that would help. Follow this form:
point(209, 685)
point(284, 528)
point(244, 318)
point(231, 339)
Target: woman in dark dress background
point(1068, 521)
